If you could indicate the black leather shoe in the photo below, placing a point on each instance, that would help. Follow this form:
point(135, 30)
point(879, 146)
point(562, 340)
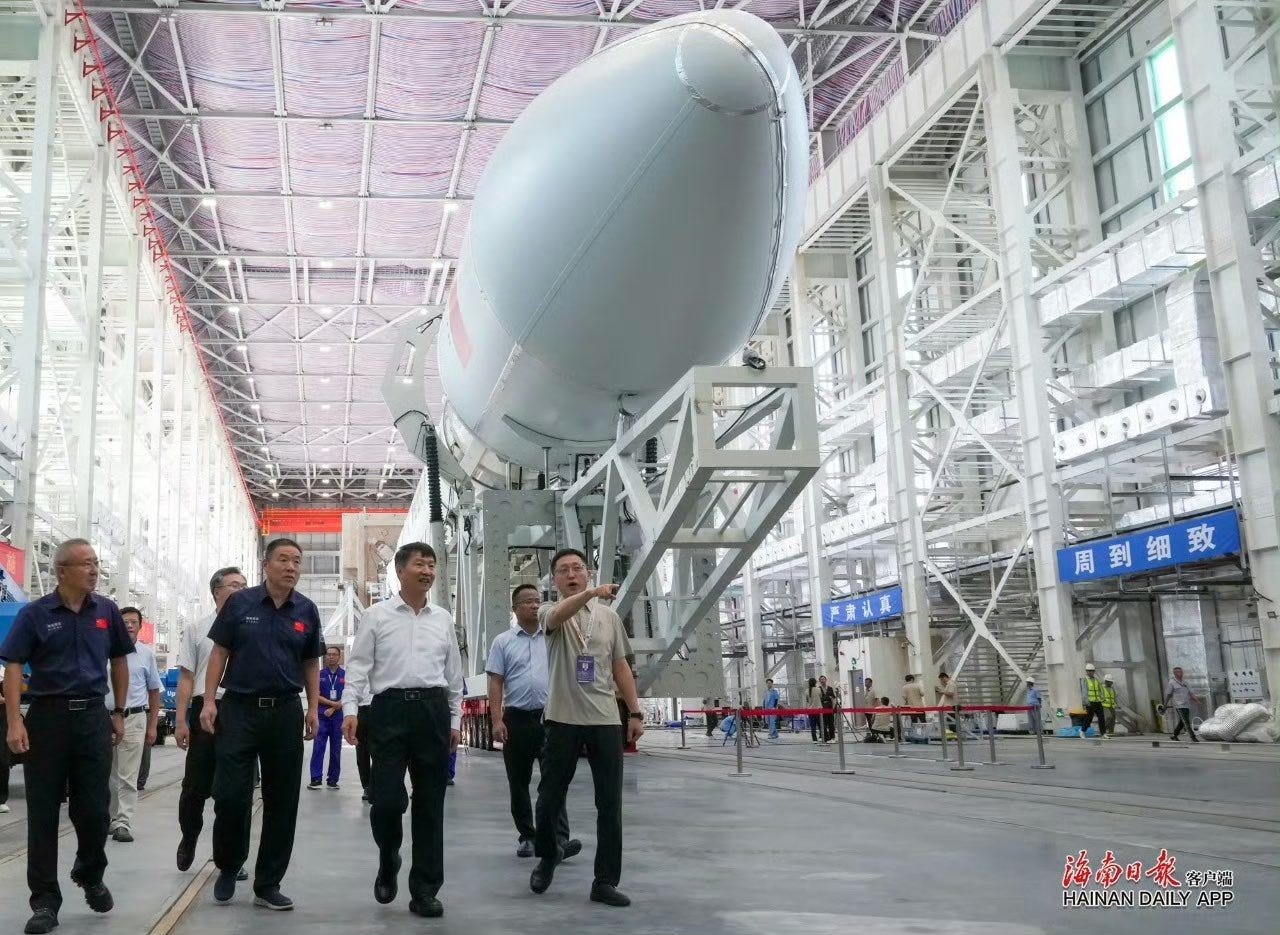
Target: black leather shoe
point(242, 875)
point(273, 899)
point(43, 921)
point(385, 884)
point(96, 895)
point(609, 895)
point(540, 879)
point(224, 887)
point(570, 848)
point(429, 908)
point(186, 854)
point(123, 836)
point(525, 848)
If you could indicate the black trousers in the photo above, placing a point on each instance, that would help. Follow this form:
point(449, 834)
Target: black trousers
point(1184, 720)
point(69, 749)
point(828, 725)
point(526, 745)
point(5, 766)
point(603, 744)
point(144, 768)
point(1094, 709)
point(362, 745)
point(273, 736)
point(197, 774)
point(410, 734)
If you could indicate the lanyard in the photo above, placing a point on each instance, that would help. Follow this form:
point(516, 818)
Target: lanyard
point(584, 639)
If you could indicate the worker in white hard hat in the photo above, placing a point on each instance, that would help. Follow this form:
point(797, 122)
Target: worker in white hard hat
point(1093, 702)
point(1109, 705)
point(1034, 701)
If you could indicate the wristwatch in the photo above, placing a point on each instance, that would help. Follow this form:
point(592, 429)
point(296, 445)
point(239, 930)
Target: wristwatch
point(637, 715)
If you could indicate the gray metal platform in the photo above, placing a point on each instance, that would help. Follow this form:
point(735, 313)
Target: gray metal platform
point(903, 846)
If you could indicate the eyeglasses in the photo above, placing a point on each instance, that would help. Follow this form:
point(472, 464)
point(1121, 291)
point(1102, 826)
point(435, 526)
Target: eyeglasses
point(570, 569)
point(86, 563)
point(232, 586)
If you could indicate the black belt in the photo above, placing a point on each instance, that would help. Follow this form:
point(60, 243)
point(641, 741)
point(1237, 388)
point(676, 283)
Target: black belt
point(523, 712)
point(260, 701)
point(71, 704)
point(141, 710)
point(413, 694)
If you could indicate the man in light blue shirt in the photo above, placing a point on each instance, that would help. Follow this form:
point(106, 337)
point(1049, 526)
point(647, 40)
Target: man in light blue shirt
point(517, 668)
point(771, 700)
point(141, 715)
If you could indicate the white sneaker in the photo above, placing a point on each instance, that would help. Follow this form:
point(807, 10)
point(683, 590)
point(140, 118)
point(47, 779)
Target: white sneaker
point(4, 809)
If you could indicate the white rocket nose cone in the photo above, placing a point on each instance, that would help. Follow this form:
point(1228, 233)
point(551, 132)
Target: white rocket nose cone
point(721, 73)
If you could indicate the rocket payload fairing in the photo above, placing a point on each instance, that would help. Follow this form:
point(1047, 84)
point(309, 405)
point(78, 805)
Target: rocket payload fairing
point(638, 219)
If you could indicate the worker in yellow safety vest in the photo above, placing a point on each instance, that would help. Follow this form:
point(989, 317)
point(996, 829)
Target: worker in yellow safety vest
point(1093, 702)
point(1109, 705)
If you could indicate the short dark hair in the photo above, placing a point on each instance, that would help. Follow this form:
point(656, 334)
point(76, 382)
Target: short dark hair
point(768, 681)
point(515, 592)
point(131, 610)
point(884, 700)
point(565, 553)
point(220, 575)
point(409, 550)
point(942, 674)
point(334, 647)
point(276, 544)
point(911, 678)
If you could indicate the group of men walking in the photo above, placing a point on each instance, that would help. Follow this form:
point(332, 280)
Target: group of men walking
point(251, 690)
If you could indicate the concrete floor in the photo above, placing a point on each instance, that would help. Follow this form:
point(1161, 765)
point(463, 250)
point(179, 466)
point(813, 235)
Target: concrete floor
point(903, 846)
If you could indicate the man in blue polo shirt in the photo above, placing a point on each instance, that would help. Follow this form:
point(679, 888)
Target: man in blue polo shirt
point(333, 679)
point(517, 667)
point(67, 638)
point(267, 639)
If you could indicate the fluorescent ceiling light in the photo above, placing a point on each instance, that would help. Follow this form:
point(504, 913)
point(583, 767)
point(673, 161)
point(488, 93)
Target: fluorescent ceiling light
point(326, 264)
point(233, 309)
point(326, 204)
point(209, 202)
point(224, 262)
point(450, 207)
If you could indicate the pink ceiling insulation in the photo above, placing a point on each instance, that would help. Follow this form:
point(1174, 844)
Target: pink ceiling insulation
point(327, 233)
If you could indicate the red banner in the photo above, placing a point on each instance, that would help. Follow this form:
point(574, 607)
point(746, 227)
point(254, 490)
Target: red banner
point(14, 561)
point(283, 521)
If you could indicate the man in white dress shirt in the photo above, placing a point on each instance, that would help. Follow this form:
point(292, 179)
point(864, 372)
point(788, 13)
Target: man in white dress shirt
point(405, 658)
point(141, 715)
point(194, 649)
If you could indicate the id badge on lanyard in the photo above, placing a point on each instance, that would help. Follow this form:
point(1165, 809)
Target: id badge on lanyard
point(585, 666)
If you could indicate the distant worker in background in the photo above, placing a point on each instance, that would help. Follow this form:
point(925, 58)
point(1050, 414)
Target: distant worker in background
point(812, 700)
point(266, 652)
point(1035, 701)
point(913, 697)
point(1093, 702)
point(406, 659)
point(1109, 705)
point(141, 715)
point(946, 690)
point(587, 651)
point(194, 650)
point(827, 695)
point(869, 699)
point(712, 715)
point(69, 638)
point(880, 723)
point(1181, 696)
point(517, 670)
point(771, 701)
point(333, 679)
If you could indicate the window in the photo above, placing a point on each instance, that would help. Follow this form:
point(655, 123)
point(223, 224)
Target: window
point(1170, 121)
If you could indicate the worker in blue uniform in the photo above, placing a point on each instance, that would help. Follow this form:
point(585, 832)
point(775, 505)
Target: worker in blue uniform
point(333, 678)
point(266, 652)
point(772, 699)
point(67, 637)
point(1035, 701)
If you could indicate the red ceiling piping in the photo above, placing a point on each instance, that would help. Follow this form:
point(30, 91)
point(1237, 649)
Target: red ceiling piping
point(94, 68)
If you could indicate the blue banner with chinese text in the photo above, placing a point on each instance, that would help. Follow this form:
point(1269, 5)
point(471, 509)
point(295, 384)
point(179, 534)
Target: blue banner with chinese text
point(863, 608)
point(1194, 540)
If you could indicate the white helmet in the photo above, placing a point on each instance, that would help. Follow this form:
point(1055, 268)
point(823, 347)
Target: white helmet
point(1088, 667)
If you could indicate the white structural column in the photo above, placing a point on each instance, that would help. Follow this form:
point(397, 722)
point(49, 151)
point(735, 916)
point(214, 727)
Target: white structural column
point(753, 630)
point(1043, 505)
point(1235, 266)
point(86, 449)
point(812, 514)
point(132, 387)
point(903, 503)
point(30, 345)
